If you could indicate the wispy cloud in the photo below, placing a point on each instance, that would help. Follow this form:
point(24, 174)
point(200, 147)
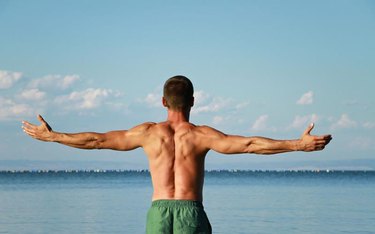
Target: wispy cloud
point(206, 103)
point(303, 121)
point(344, 122)
point(200, 97)
point(83, 100)
point(54, 81)
point(369, 125)
point(32, 94)
point(153, 100)
point(11, 110)
point(33, 99)
point(8, 78)
point(261, 124)
point(217, 120)
point(242, 105)
point(306, 98)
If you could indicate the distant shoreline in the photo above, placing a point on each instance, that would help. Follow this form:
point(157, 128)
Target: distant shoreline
point(254, 164)
point(145, 171)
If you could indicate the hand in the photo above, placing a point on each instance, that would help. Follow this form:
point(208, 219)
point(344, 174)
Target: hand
point(313, 143)
point(42, 132)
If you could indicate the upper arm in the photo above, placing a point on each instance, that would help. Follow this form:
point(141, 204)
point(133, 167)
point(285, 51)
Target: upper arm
point(226, 144)
point(124, 139)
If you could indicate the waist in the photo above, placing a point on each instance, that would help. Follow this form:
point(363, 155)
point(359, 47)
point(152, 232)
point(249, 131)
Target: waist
point(176, 203)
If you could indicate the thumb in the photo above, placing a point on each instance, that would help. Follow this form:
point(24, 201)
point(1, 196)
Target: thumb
point(40, 118)
point(44, 123)
point(308, 129)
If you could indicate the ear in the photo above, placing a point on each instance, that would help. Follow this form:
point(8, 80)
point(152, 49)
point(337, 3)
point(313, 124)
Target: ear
point(164, 101)
point(192, 101)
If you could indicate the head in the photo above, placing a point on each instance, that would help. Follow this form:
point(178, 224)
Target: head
point(178, 93)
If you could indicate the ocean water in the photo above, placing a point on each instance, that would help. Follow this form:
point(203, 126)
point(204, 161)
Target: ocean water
point(235, 201)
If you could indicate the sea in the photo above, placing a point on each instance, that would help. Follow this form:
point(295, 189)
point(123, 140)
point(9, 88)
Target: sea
point(97, 201)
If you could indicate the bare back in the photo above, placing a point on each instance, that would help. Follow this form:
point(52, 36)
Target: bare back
point(176, 160)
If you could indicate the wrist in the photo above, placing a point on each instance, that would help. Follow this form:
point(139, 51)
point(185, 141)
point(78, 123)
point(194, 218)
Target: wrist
point(53, 136)
point(298, 145)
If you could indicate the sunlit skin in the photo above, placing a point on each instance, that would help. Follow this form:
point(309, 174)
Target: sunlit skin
point(176, 149)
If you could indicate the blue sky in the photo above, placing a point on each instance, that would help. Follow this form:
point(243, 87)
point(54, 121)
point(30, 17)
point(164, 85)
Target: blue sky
point(259, 68)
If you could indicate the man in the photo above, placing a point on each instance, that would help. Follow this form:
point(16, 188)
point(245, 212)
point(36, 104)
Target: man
point(176, 151)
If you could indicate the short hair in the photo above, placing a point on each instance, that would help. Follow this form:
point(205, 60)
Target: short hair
point(178, 93)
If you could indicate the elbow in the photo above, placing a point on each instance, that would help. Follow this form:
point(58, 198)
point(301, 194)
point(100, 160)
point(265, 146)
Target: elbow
point(253, 148)
point(97, 142)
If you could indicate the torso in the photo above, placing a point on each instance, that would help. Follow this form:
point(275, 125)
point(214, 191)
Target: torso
point(176, 160)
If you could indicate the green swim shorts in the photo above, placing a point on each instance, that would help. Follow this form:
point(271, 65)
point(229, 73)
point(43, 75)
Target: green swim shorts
point(177, 216)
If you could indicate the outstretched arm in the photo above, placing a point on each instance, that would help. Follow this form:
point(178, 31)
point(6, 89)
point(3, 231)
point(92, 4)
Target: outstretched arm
point(229, 144)
point(116, 140)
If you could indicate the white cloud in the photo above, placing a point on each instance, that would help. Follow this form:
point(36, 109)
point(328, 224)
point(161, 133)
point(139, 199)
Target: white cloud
point(204, 102)
point(32, 97)
point(369, 125)
point(200, 97)
point(32, 94)
point(86, 99)
point(303, 121)
point(153, 99)
point(7, 78)
point(215, 105)
point(11, 110)
point(306, 98)
point(242, 105)
point(54, 81)
point(260, 123)
point(67, 81)
point(344, 122)
point(217, 120)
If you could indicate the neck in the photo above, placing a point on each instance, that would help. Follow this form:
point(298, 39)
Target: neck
point(178, 116)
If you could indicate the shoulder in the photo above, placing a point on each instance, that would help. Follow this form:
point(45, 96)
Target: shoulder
point(144, 127)
point(208, 131)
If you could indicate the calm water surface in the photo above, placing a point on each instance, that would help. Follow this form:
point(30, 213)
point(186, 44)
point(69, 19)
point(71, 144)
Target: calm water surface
point(235, 201)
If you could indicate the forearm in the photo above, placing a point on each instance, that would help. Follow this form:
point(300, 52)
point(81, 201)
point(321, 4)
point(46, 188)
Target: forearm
point(262, 145)
point(84, 140)
point(232, 144)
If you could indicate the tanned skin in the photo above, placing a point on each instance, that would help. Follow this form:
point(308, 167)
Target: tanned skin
point(176, 149)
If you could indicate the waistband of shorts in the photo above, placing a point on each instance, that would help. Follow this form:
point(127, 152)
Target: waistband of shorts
point(176, 203)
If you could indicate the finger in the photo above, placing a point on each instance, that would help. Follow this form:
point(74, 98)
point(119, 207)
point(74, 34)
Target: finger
point(321, 142)
point(27, 125)
point(308, 129)
point(325, 137)
point(29, 132)
point(326, 141)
